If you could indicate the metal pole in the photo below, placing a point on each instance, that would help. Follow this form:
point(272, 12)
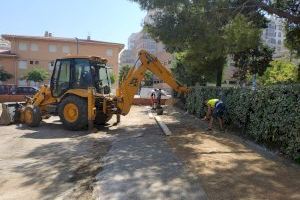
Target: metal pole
point(254, 82)
point(77, 45)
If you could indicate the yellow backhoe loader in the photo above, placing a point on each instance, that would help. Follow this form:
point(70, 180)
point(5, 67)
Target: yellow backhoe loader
point(80, 95)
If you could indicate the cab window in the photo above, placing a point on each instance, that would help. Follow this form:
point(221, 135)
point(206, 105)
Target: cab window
point(83, 75)
point(61, 79)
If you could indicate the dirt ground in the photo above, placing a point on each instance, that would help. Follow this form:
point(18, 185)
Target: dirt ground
point(228, 166)
point(49, 162)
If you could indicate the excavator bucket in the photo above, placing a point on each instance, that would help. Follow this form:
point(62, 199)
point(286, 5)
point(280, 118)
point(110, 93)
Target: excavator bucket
point(9, 112)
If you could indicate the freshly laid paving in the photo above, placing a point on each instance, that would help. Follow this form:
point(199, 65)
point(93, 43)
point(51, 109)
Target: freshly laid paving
point(228, 166)
point(140, 165)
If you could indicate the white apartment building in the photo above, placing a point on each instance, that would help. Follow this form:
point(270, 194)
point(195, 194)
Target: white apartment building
point(274, 36)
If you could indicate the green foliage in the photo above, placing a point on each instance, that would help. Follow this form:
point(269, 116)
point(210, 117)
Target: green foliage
point(271, 114)
point(199, 30)
point(123, 72)
point(241, 34)
point(252, 61)
point(148, 78)
point(188, 72)
point(292, 40)
point(112, 77)
point(280, 72)
point(37, 75)
point(4, 75)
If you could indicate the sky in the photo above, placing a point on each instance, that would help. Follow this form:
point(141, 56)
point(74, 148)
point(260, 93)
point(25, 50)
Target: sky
point(104, 20)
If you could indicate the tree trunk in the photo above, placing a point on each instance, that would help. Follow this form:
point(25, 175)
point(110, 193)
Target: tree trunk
point(220, 62)
point(219, 76)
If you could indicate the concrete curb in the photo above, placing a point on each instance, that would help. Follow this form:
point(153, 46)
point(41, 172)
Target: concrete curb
point(161, 124)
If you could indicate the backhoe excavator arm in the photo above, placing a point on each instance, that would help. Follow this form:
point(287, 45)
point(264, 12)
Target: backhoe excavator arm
point(131, 83)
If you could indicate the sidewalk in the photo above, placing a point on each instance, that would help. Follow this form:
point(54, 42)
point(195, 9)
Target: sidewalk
point(228, 166)
point(141, 166)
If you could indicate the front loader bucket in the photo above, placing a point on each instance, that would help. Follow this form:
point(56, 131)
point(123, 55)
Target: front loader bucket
point(9, 112)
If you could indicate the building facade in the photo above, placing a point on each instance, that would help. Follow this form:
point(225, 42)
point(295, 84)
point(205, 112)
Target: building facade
point(4, 45)
point(274, 36)
point(28, 52)
point(143, 41)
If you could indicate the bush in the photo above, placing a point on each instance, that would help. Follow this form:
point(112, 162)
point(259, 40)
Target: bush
point(271, 114)
point(281, 71)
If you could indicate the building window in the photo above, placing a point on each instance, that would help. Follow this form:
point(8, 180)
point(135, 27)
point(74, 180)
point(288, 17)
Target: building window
point(34, 47)
point(36, 62)
point(279, 42)
point(22, 64)
point(109, 52)
point(66, 49)
point(22, 82)
point(273, 41)
point(279, 34)
point(22, 46)
point(52, 48)
point(31, 62)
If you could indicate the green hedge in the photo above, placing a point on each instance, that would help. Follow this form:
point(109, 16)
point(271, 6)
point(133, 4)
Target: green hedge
point(271, 115)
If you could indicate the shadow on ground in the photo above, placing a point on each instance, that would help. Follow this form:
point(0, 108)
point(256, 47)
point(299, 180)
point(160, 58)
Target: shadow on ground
point(140, 165)
point(227, 166)
point(58, 166)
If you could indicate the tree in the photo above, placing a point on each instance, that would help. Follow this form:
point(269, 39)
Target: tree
point(281, 71)
point(196, 28)
point(288, 9)
point(4, 75)
point(148, 78)
point(241, 34)
point(123, 72)
point(112, 78)
point(252, 61)
point(37, 75)
point(293, 39)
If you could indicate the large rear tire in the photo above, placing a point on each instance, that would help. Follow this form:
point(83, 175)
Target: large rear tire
point(102, 118)
point(73, 113)
point(32, 116)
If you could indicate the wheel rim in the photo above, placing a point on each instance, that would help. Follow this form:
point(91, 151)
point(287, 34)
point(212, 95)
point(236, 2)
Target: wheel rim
point(28, 115)
point(70, 112)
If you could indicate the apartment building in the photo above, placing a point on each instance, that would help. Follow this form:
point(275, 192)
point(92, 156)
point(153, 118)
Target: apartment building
point(143, 41)
point(28, 52)
point(274, 36)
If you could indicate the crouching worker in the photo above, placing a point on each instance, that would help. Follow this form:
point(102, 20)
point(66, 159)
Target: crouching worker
point(215, 109)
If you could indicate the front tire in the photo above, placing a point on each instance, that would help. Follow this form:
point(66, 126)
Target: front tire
point(32, 116)
point(73, 113)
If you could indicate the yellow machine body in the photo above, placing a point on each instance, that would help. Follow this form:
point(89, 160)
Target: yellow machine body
point(98, 107)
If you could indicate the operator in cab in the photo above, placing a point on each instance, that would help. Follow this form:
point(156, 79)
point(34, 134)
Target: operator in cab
point(215, 109)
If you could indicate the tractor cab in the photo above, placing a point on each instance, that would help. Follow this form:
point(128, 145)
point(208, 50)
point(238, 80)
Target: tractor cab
point(80, 72)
